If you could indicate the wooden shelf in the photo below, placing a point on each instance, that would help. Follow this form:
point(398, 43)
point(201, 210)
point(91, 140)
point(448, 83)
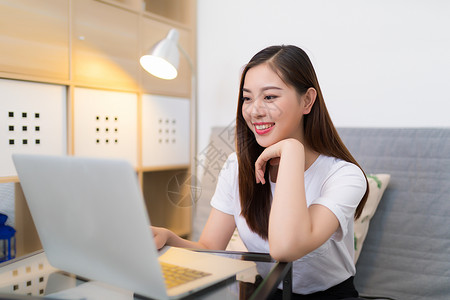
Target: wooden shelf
point(97, 44)
point(176, 10)
point(104, 45)
point(168, 199)
point(36, 40)
point(179, 13)
point(9, 179)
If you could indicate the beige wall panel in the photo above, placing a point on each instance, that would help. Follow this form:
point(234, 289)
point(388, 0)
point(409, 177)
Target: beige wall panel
point(105, 43)
point(152, 32)
point(34, 37)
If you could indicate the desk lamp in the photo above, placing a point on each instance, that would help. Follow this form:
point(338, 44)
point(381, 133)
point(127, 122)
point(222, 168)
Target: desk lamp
point(163, 58)
point(162, 61)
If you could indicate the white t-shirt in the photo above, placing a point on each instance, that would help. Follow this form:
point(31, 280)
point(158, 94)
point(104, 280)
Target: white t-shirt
point(329, 181)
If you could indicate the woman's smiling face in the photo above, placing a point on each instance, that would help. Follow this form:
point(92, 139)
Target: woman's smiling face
point(272, 109)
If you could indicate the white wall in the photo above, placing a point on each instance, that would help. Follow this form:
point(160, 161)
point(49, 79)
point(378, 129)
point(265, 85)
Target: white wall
point(380, 63)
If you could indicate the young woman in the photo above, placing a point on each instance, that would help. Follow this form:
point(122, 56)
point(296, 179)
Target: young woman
point(292, 188)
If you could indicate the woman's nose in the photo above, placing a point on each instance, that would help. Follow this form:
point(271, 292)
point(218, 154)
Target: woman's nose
point(258, 109)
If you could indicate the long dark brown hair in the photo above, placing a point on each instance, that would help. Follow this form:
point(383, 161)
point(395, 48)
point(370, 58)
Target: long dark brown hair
point(293, 66)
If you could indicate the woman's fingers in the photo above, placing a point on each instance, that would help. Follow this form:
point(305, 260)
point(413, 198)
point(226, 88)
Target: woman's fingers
point(259, 174)
point(260, 168)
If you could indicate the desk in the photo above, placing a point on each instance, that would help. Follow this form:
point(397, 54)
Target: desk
point(32, 277)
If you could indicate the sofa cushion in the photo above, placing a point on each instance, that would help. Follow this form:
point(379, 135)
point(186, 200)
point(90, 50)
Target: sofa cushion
point(377, 186)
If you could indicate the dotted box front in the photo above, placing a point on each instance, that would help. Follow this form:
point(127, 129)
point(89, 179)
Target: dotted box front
point(105, 124)
point(165, 131)
point(32, 120)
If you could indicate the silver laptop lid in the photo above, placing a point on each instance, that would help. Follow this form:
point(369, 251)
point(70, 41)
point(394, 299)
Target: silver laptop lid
point(79, 211)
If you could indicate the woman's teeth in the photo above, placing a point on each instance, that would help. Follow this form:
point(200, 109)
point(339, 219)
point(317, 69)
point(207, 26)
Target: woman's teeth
point(263, 126)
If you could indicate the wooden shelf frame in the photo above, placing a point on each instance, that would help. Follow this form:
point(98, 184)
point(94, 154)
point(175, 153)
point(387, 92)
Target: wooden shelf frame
point(79, 34)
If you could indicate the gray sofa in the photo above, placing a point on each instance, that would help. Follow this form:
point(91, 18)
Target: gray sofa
point(406, 254)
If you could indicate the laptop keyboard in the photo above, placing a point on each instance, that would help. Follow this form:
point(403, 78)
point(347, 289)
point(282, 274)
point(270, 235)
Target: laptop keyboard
point(176, 275)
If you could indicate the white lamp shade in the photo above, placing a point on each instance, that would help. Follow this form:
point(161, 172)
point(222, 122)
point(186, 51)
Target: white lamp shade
point(163, 59)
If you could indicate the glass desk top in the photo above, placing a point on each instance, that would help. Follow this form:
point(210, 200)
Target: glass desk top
point(32, 277)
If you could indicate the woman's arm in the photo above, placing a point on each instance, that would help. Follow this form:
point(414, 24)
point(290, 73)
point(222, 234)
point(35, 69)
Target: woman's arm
point(294, 229)
point(216, 234)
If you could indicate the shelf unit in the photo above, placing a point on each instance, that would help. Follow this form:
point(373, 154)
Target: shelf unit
point(95, 45)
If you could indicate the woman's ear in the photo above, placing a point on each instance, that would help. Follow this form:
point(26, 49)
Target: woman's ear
point(308, 100)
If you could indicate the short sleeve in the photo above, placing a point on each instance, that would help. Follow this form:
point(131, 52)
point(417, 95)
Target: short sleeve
point(341, 193)
point(223, 198)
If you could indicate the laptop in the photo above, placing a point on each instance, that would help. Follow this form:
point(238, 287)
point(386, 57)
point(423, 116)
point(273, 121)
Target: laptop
point(92, 221)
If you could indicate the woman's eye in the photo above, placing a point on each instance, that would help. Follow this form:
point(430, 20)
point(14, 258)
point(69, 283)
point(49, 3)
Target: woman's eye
point(270, 97)
point(245, 99)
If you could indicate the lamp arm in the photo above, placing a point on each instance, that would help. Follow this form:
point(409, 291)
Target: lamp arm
point(188, 58)
point(193, 118)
